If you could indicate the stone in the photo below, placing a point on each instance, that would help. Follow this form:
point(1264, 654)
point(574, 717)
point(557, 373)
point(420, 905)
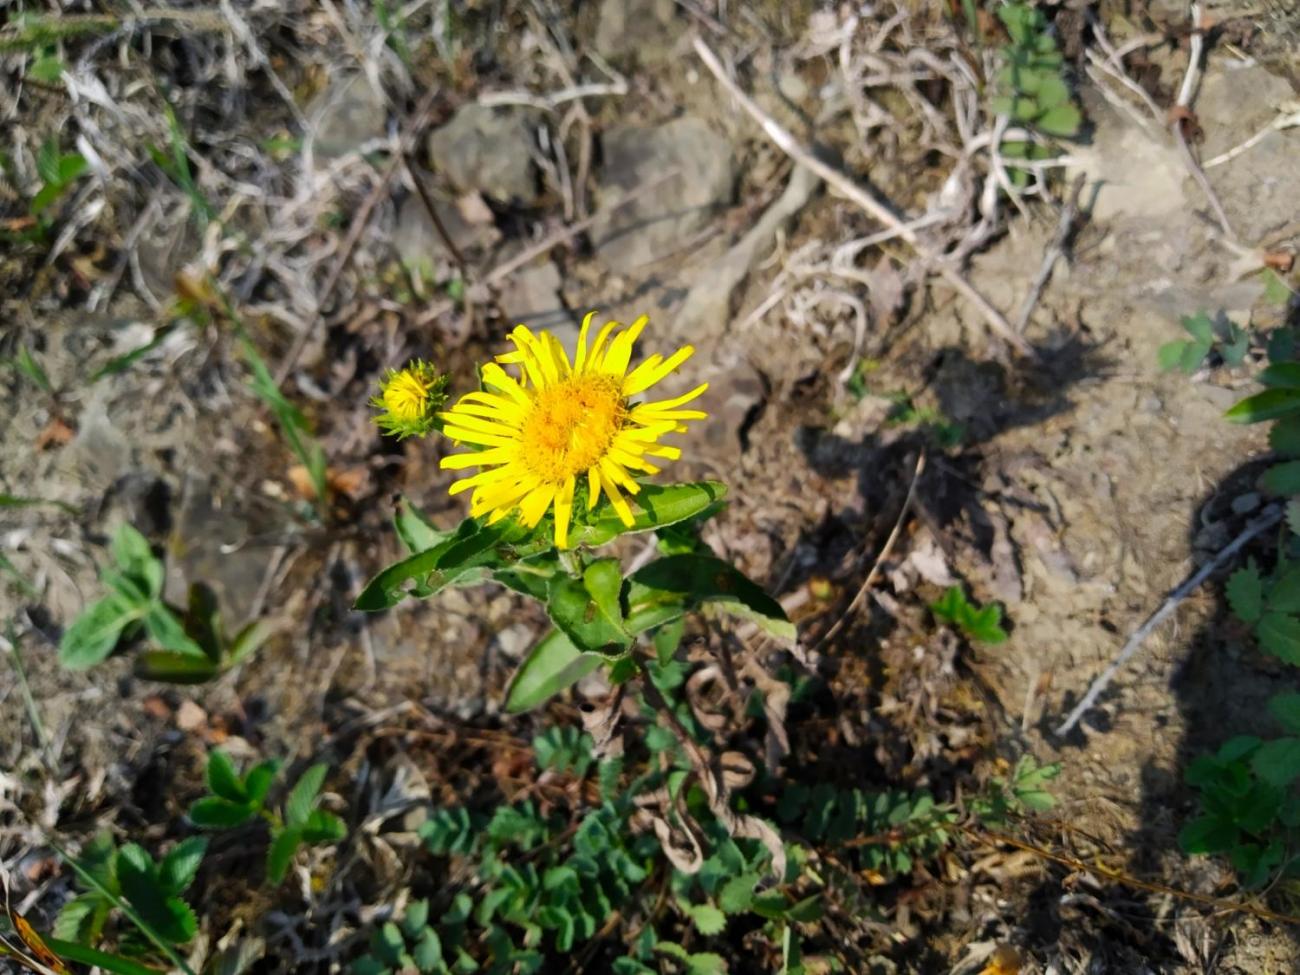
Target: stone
point(488, 149)
point(735, 395)
point(348, 115)
point(417, 241)
point(531, 296)
point(660, 221)
point(1259, 187)
point(640, 28)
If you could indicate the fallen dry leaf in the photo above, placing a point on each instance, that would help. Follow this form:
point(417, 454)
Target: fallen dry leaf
point(56, 434)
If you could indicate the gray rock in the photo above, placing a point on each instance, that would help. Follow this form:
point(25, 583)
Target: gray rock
point(346, 117)
point(531, 296)
point(660, 221)
point(1258, 188)
point(100, 453)
point(734, 394)
point(488, 149)
point(417, 241)
point(643, 28)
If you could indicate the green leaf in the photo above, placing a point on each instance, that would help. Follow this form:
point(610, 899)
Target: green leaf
point(302, 798)
point(667, 639)
point(323, 827)
point(1279, 634)
point(94, 633)
point(1194, 354)
point(1237, 747)
point(142, 887)
point(416, 917)
point(708, 920)
point(174, 668)
point(604, 581)
point(1200, 327)
point(575, 611)
point(1170, 355)
point(258, 781)
point(47, 69)
point(280, 855)
point(427, 952)
point(1208, 834)
point(737, 894)
point(83, 955)
point(700, 580)
point(213, 813)
point(1284, 436)
point(247, 641)
point(181, 864)
point(1286, 708)
point(416, 531)
point(1278, 762)
point(134, 557)
point(1268, 405)
point(658, 506)
point(552, 665)
point(77, 916)
point(1062, 120)
point(985, 625)
point(1284, 593)
point(470, 547)
point(1276, 290)
point(1245, 591)
point(1281, 375)
point(223, 780)
point(165, 629)
point(1282, 479)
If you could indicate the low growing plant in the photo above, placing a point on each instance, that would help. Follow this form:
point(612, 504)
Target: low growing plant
point(185, 646)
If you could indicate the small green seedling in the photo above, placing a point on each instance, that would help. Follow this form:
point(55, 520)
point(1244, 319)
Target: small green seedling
point(58, 172)
point(187, 647)
point(981, 624)
point(235, 801)
point(1187, 355)
point(128, 874)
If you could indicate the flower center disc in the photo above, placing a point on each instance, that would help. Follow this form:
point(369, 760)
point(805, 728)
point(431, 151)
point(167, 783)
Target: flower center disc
point(571, 426)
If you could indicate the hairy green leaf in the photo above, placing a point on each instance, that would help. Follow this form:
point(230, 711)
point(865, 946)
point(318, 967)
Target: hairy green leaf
point(1278, 762)
point(223, 780)
point(1245, 591)
point(280, 855)
point(582, 618)
point(658, 506)
point(302, 798)
point(181, 864)
point(213, 813)
point(95, 632)
point(704, 580)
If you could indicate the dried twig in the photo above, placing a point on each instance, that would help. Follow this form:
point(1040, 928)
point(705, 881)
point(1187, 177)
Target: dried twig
point(1064, 230)
point(1186, 93)
point(863, 199)
point(1265, 521)
point(885, 552)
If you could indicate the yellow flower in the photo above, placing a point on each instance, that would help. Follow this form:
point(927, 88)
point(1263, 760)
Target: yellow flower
point(564, 426)
point(410, 399)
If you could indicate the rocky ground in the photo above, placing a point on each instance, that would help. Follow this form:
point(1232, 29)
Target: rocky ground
point(1084, 483)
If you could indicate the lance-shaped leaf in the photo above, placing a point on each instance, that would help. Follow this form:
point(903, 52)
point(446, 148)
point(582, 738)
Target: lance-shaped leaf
point(551, 666)
point(703, 580)
point(591, 620)
point(431, 570)
point(95, 632)
point(658, 505)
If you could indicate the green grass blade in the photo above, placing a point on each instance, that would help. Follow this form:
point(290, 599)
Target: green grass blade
point(71, 951)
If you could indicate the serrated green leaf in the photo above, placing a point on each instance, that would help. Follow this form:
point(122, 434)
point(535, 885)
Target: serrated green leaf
point(169, 916)
point(1208, 834)
point(1282, 479)
point(181, 864)
point(77, 916)
point(302, 798)
point(708, 920)
point(1284, 592)
point(223, 780)
point(1278, 762)
point(737, 894)
point(1271, 404)
point(213, 813)
point(280, 855)
point(94, 634)
point(1279, 634)
point(1245, 591)
point(322, 826)
point(258, 781)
